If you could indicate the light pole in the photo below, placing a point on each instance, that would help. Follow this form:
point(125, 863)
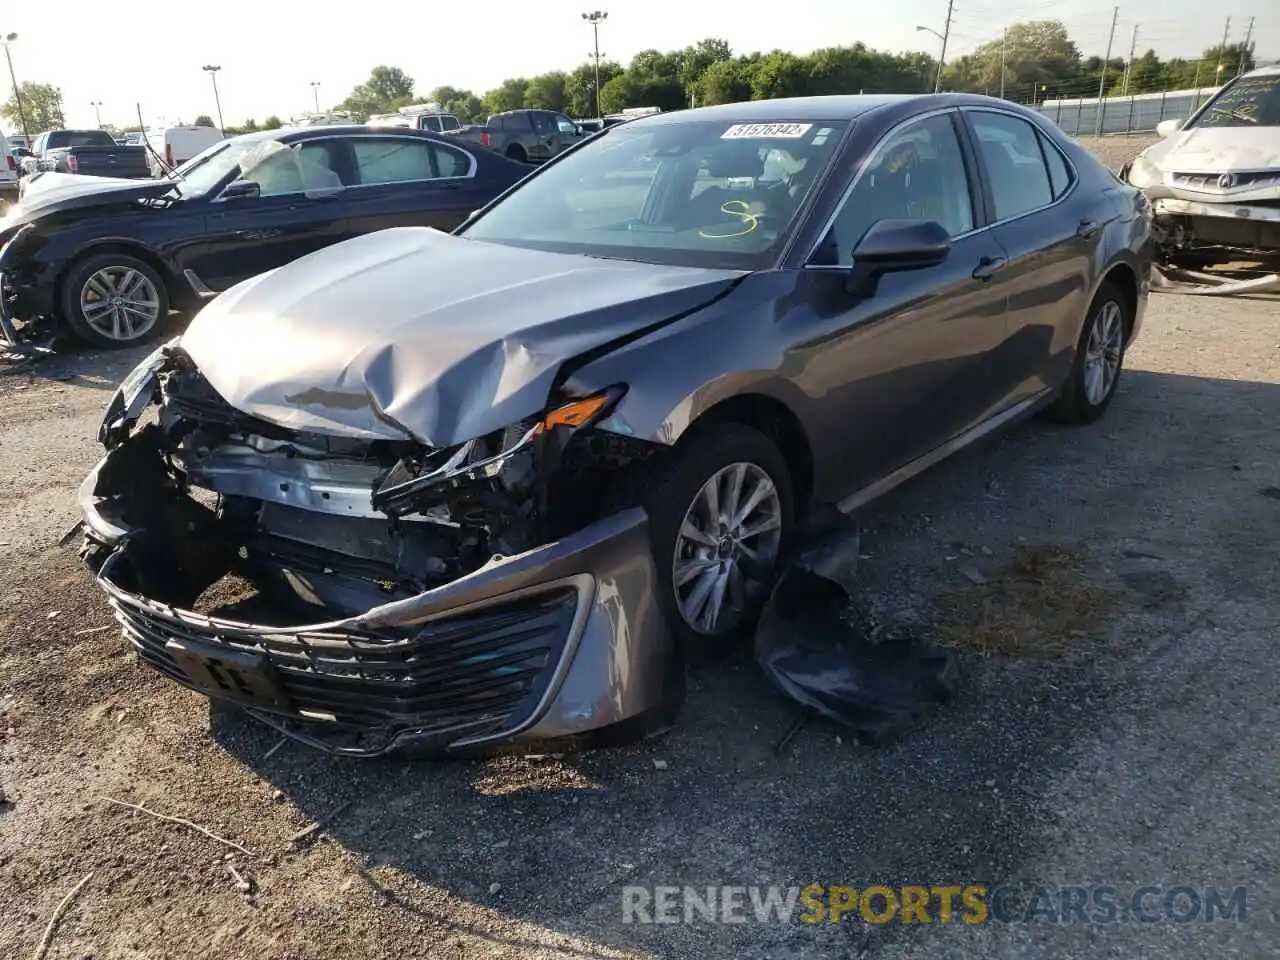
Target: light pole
point(97, 111)
point(315, 93)
point(212, 69)
point(594, 18)
point(937, 80)
point(17, 94)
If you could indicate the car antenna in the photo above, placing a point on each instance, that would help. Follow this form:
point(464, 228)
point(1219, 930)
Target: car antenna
point(146, 142)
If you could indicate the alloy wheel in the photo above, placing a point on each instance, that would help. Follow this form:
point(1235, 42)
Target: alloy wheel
point(728, 543)
point(1103, 352)
point(120, 303)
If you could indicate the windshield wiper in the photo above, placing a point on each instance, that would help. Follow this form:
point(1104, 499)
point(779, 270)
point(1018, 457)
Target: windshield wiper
point(1233, 114)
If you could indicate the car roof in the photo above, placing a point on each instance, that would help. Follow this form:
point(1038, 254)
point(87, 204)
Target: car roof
point(1271, 70)
point(348, 129)
point(802, 109)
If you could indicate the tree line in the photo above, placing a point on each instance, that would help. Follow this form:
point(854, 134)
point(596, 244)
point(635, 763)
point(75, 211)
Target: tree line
point(1031, 62)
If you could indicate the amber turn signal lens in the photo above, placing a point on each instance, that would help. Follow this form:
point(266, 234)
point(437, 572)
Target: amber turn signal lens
point(577, 413)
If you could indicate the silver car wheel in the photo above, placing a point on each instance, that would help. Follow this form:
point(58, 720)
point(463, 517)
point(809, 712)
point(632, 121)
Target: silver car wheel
point(1102, 352)
point(120, 303)
point(728, 541)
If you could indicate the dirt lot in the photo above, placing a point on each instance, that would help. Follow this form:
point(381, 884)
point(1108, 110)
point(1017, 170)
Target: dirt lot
point(1117, 724)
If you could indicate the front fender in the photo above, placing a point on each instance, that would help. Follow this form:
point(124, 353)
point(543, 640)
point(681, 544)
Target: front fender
point(736, 346)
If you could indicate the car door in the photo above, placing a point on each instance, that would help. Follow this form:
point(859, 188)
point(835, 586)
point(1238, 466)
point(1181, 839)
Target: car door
point(567, 133)
point(411, 182)
point(1050, 232)
point(896, 374)
point(545, 135)
point(298, 209)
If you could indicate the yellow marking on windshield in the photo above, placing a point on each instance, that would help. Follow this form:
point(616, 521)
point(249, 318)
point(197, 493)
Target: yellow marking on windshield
point(735, 208)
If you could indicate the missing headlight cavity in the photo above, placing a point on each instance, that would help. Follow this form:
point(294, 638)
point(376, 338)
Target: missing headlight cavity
point(344, 524)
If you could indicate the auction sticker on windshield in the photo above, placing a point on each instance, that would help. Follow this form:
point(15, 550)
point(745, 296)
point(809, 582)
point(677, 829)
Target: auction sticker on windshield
point(757, 131)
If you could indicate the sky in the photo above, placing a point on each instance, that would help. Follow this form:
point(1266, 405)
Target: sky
point(271, 51)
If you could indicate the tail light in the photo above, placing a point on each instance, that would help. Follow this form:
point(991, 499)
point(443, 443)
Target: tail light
point(73, 164)
point(168, 155)
point(486, 140)
point(13, 164)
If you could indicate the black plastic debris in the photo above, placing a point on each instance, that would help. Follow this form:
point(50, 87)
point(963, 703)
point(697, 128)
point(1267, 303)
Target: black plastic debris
point(814, 648)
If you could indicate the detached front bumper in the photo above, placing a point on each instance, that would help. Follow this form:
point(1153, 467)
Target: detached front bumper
point(552, 644)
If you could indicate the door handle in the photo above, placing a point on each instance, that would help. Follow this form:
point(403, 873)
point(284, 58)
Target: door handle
point(1086, 229)
point(988, 267)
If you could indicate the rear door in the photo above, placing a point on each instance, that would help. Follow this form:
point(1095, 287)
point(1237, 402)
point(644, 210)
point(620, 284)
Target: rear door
point(1050, 232)
point(543, 145)
point(410, 182)
point(300, 209)
point(899, 373)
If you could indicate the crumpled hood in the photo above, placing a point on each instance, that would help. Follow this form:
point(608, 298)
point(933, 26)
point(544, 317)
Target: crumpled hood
point(1217, 150)
point(414, 331)
point(48, 193)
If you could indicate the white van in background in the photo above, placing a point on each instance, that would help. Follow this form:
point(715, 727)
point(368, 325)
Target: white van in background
point(8, 171)
point(176, 145)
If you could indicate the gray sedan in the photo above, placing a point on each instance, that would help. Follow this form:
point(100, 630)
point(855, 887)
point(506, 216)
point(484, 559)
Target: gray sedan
point(499, 486)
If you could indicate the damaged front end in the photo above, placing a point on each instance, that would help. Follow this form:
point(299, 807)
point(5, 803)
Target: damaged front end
point(488, 593)
point(1214, 189)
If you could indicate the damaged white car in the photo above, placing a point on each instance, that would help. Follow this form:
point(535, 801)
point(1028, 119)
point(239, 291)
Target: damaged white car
point(1214, 183)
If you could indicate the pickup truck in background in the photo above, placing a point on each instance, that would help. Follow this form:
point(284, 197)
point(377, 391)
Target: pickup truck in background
point(89, 152)
point(529, 136)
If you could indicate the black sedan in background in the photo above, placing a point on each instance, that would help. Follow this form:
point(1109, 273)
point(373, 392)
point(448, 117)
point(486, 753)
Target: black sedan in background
point(498, 483)
point(109, 258)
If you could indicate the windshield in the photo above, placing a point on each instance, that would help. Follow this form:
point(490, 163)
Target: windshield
point(704, 193)
point(1250, 102)
point(210, 166)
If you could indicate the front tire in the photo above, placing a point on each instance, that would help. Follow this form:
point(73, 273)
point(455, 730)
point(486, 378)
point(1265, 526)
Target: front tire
point(114, 300)
point(720, 522)
point(1099, 359)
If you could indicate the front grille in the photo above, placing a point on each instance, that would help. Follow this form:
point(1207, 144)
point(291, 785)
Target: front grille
point(1238, 181)
point(484, 670)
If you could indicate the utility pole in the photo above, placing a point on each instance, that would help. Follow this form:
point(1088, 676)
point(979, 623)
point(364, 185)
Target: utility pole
point(17, 94)
point(315, 93)
point(212, 69)
point(1004, 36)
point(594, 18)
point(1222, 48)
point(1102, 84)
point(1128, 66)
point(1244, 47)
point(942, 56)
point(97, 111)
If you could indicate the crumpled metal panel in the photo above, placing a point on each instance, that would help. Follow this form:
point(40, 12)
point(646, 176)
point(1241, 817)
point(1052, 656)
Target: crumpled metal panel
point(414, 332)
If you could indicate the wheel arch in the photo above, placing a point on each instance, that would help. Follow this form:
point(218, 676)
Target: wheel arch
point(780, 424)
point(1125, 278)
point(177, 295)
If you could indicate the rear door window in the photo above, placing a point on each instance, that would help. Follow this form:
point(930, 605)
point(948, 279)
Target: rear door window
point(394, 160)
point(1015, 165)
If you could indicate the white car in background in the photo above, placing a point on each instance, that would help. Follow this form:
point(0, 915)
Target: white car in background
point(1214, 184)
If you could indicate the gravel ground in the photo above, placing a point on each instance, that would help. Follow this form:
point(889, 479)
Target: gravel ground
point(1137, 745)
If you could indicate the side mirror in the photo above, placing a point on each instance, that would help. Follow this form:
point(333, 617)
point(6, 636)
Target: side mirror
point(1167, 128)
point(241, 190)
point(894, 245)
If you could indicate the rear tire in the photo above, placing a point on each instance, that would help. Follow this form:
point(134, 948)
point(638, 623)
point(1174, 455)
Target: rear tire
point(516, 152)
point(729, 561)
point(1099, 359)
point(114, 300)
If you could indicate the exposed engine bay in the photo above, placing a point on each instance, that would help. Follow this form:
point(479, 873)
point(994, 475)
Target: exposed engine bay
point(343, 524)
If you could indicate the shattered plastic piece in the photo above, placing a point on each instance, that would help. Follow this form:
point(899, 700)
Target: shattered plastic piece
point(809, 650)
